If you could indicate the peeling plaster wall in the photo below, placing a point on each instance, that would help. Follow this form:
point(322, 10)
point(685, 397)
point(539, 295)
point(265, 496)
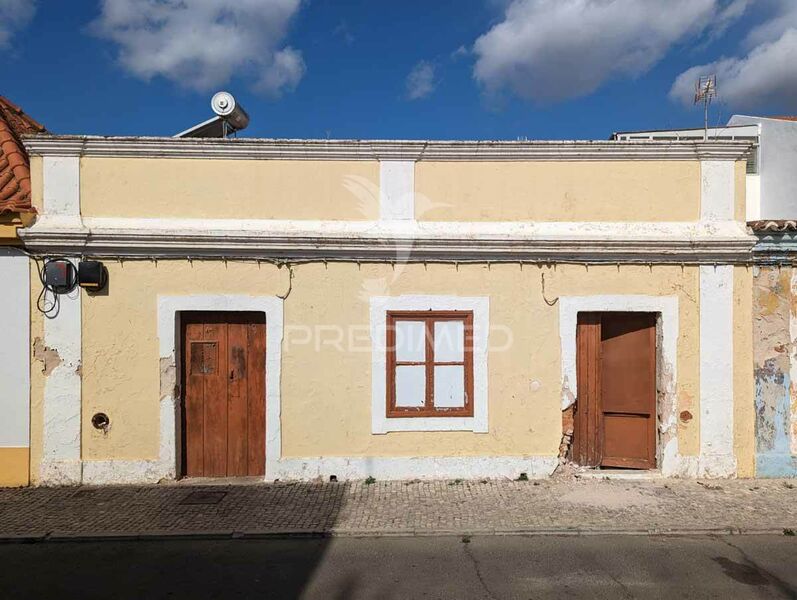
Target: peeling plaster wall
point(326, 391)
point(774, 348)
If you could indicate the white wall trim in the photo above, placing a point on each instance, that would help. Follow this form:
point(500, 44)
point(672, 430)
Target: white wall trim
point(393, 468)
point(716, 372)
point(166, 465)
point(60, 463)
point(670, 461)
point(61, 183)
point(490, 150)
point(380, 305)
point(706, 242)
point(717, 190)
point(168, 309)
point(15, 349)
point(396, 190)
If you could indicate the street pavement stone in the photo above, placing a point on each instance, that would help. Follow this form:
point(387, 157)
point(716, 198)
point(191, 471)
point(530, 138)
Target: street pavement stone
point(403, 508)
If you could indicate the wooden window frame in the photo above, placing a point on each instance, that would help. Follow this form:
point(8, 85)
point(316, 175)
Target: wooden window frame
point(429, 318)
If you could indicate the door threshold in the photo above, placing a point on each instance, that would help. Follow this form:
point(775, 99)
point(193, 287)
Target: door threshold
point(621, 474)
point(210, 481)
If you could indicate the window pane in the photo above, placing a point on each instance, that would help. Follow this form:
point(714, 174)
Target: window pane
point(410, 386)
point(410, 341)
point(449, 386)
point(449, 341)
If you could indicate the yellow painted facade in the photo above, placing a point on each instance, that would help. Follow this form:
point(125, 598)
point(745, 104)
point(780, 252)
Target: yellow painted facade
point(14, 467)
point(326, 408)
point(326, 369)
point(574, 191)
point(229, 189)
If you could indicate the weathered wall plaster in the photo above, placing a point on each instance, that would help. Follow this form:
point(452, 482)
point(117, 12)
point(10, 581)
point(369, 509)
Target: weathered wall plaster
point(774, 301)
point(670, 460)
point(60, 463)
point(325, 411)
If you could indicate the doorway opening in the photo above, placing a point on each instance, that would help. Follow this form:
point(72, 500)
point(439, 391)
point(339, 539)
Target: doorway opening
point(615, 420)
point(223, 383)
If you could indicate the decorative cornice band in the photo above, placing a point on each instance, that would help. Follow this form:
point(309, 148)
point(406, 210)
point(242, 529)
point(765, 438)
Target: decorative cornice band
point(253, 149)
point(451, 244)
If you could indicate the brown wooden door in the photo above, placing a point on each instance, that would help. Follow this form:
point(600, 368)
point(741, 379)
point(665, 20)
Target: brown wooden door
point(224, 398)
point(615, 419)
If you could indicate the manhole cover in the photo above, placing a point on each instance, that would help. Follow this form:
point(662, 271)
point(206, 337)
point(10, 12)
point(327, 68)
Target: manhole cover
point(202, 497)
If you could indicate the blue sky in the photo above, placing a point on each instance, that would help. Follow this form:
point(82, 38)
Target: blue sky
point(442, 69)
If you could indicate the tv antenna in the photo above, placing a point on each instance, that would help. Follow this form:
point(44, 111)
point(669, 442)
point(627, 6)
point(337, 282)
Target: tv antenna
point(705, 90)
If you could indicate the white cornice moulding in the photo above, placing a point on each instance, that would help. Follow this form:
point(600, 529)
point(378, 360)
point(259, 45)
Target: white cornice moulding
point(396, 241)
point(414, 150)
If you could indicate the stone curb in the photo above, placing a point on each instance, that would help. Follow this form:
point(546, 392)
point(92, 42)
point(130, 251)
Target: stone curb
point(57, 536)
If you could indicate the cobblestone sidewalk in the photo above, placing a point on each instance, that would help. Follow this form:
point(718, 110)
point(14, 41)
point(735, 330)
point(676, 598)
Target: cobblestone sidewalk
point(401, 508)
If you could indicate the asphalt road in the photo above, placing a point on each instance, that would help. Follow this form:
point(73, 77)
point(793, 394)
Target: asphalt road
point(432, 567)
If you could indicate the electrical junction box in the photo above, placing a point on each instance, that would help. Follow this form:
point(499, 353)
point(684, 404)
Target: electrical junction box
point(59, 275)
point(92, 275)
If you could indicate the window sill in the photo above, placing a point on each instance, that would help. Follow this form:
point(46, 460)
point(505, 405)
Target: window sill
point(389, 424)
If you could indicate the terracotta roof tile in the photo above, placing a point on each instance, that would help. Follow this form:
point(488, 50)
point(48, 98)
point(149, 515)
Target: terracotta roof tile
point(773, 225)
point(14, 162)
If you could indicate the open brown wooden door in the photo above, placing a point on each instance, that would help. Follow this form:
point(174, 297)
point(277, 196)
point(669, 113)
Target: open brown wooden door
point(224, 407)
point(615, 419)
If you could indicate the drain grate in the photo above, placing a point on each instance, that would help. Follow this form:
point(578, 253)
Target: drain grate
point(203, 497)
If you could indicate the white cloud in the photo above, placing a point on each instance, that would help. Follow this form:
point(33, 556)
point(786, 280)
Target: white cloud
point(14, 16)
point(202, 44)
point(421, 80)
point(765, 76)
point(549, 50)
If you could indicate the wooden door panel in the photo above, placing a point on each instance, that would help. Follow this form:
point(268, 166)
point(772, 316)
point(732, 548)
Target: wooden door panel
point(626, 441)
point(586, 433)
point(256, 396)
point(627, 363)
point(223, 374)
point(237, 400)
point(194, 401)
point(216, 404)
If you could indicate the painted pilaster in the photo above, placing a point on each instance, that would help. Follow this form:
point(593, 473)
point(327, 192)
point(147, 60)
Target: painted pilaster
point(717, 190)
point(716, 372)
point(717, 199)
point(62, 394)
point(396, 190)
point(61, 456)
point(61, 175)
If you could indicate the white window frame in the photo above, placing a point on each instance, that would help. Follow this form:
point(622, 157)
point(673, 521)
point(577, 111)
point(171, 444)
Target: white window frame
point(380, 306)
